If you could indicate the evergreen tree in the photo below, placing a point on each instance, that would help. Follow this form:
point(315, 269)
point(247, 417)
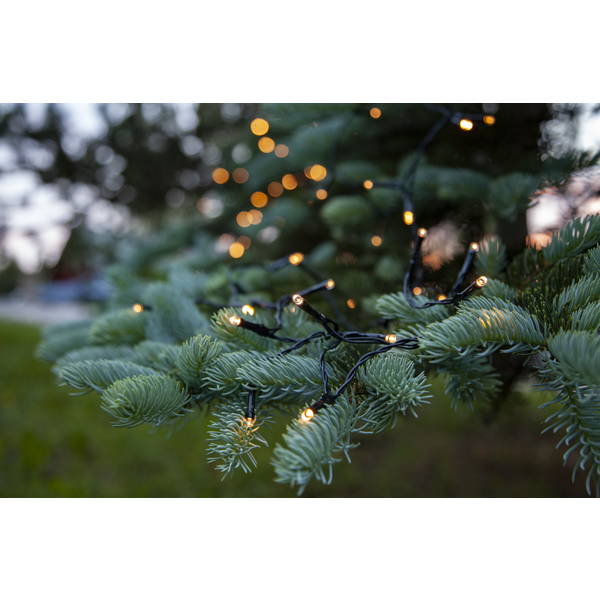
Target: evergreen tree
point(347, 297)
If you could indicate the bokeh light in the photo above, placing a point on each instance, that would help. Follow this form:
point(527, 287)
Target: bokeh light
point(225, 241)
point(351, 303)
point(236, 250)
point(259, 127)
point(289, 182)
point(240, 175)
point(138, 308)
point(244, 219)
point(466, 124)
point(281, 150)
point(417, 291)
point(220, 175)
point(376, 240)
point(275, 189)
point(266, 145)
point(367, 184)
point(409, 217)
point(375, 113)
point(259, 199)
point(489, 120)
point(255, 216)
point(321, 194)
point(244, 241)
point(296, 258)
point(318, 172)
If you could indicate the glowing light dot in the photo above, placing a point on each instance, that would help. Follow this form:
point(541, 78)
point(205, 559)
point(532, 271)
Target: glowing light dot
point(244, 241)
point(417, 291)
point(244, 219)
point(247, 309)
point(220, 176)
point(138, 308)
point(225, 241)
point(235, 320)
point(307, 172)
point(266, 145)
point(281, 151)
point(489, 120)
point(289, 182)
point(441, 297)
point(376, 240)
point(259, 199)
point(297, 299)
point(275, 189)
point(368, 184)
point(466, 124)
point(481, 281)
point(240, 175)
point(409, 217)
point(330, 284)
point(296, 258)
point(351, 303)
point(256, 216)
point(250, 421)
point(422, 232)
point(475, 247)
point(318, 172)
point(236, 250)
point(390, 337)
point(321, 194)
point(375, 113)
point(307, 414)
point(259, 127)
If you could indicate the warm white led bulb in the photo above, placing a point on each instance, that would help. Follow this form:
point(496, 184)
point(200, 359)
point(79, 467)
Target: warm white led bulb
point(330, 284)
point(481, 281)
point(390, 337)
point(422, 232)
point(307, 415)
point(475, 247)
point(297, 299)
point(138, 308)
point(247, 309)
point(235, 320)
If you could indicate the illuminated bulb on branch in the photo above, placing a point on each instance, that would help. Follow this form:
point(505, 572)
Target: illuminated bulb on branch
point(247, 309)
point(409, 217)
point(390, 337)
point(481, 281)
point(422, 232)
point(330, 284)
point(237, 321)
point(307, 414)
point(368, 184)
point(296, 258)
point(250, 421)
point(466, 124)
point(489, 120)
point(417, 291)
point(475, 247)
point(441, 297)
point(298, 299)
point(138, 308)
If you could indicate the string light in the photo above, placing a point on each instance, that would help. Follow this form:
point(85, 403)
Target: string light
point(255, 216)
point(368, 184)
point(244, 241)
point(259, 199)
point(138, 308)
point(408, 217)
point(250, 416)
point(266, 145)
point(466, 124)
point(237, 321)
point(298, 299)
point(417, 291)
point(422, 232)
point(489, 120)
point(475, 247)
point(390, 337)
point(259, 127)
point(351, 303)
point(330, 284)
point(376, 240)
point(481, 281)
point(441, 297)
point(375, 113)
point(296, 258)
point(321, 194)
point(220, 176)
point(307, 414)
point(247, 309)
point(244, 219)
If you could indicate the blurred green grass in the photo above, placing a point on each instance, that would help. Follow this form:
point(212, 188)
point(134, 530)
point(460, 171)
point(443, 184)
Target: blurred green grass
point(56, 445)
